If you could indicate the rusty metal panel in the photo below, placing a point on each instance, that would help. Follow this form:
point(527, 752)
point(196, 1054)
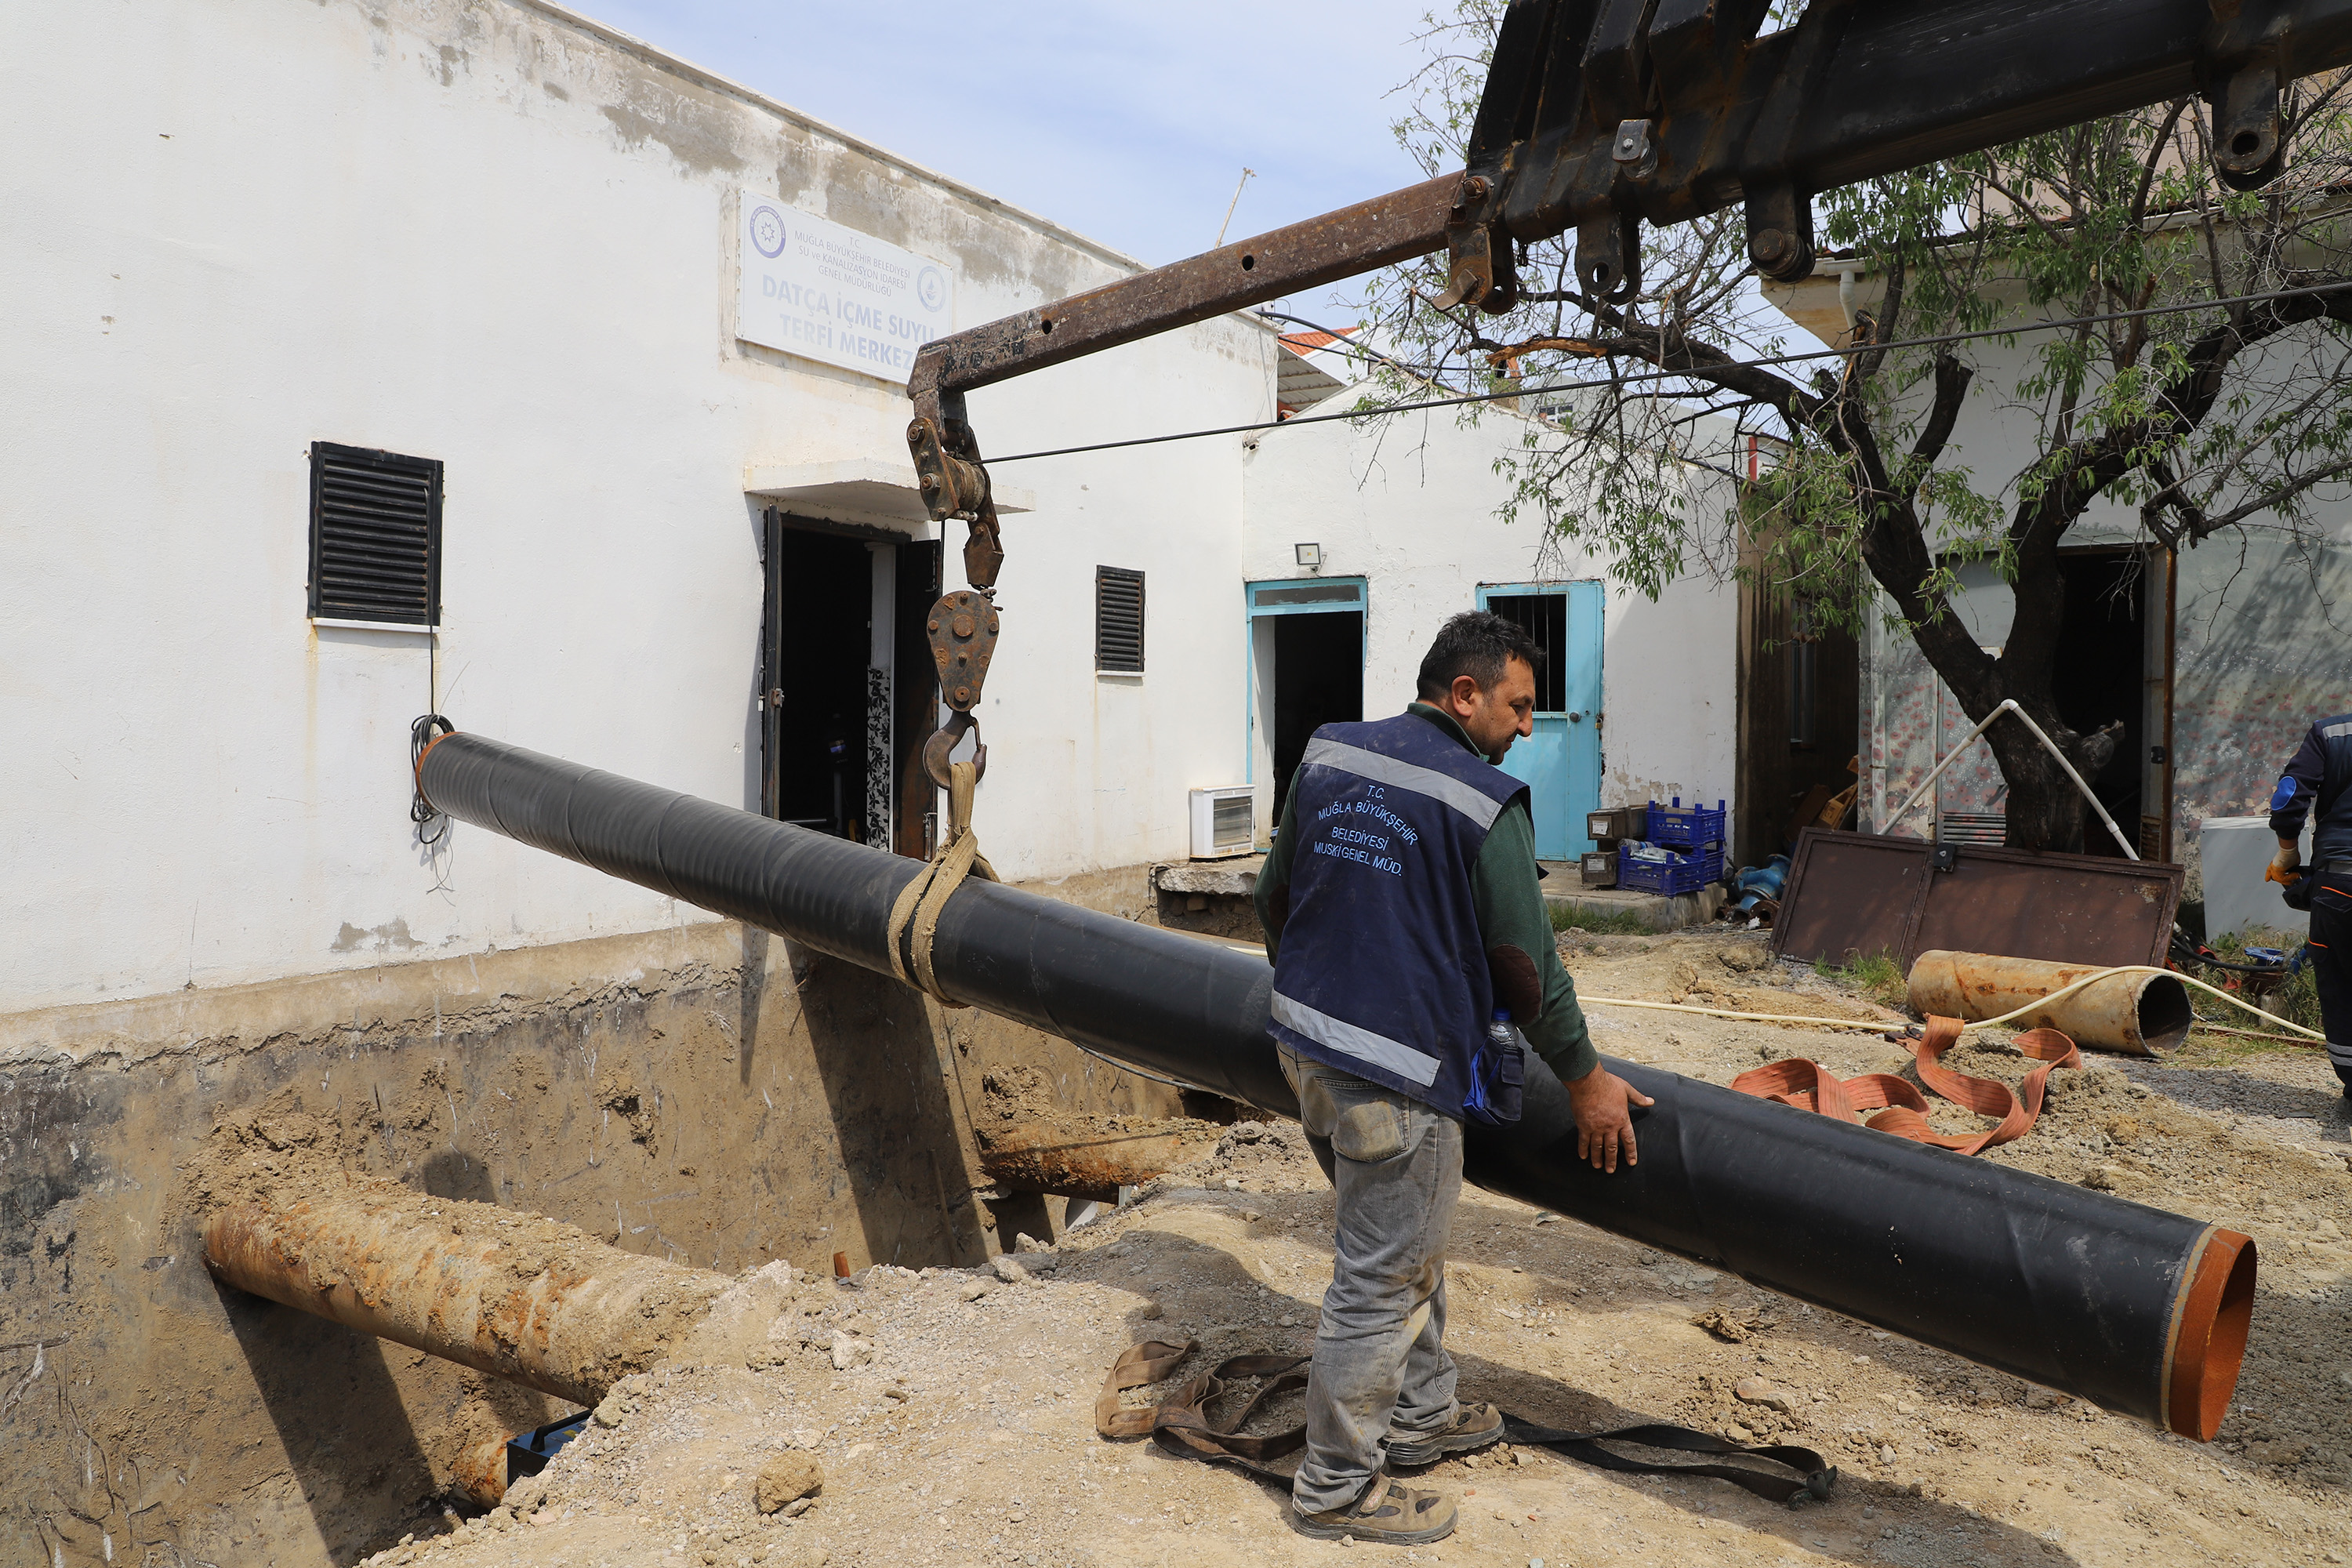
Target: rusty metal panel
point(1860, 893)
point(1864, 891)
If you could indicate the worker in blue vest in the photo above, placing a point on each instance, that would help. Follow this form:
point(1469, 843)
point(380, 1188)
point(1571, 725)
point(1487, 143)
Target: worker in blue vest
point(2320, 777)
point(1404, 920)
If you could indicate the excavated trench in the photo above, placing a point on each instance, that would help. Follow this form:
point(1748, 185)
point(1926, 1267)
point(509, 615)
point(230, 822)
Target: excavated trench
point(700, 1101)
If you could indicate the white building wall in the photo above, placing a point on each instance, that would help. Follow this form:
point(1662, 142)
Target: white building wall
point(489, 233)
point(1413, 511)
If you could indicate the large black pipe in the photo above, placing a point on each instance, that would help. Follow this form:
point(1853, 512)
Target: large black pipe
point(2135, 1310)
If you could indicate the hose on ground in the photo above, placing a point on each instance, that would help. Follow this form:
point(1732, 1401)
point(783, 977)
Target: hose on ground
point(1877, 1025)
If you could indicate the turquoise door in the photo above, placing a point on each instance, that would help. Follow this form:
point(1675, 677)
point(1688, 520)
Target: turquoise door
point(1562, 760)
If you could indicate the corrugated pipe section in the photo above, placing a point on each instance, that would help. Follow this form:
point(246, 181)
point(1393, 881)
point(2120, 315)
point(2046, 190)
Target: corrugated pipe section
point(2140, 1312)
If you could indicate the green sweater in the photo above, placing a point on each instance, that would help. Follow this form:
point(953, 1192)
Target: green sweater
point(1511, 916)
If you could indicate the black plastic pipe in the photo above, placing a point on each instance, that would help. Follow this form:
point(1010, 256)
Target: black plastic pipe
point(2140, 1312)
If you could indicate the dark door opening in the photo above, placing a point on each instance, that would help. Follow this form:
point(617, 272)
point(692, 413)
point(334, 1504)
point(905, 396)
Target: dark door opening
point(1318, 679)
point(821, 590)
point(2101, 674)
point(1800, 716)
point(850, 692)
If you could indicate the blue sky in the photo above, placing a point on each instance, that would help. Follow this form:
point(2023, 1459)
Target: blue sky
point(1127, 122)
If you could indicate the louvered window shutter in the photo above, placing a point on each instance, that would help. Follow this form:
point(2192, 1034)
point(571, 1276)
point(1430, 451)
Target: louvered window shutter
point(1118, 620)
point(375, 536)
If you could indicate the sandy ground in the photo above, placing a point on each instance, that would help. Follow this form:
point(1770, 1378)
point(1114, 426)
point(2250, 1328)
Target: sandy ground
point(951, 1411)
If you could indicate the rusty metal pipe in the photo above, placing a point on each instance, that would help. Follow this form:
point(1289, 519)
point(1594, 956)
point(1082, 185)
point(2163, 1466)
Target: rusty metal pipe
point(1355, 239)
point(2136, 1013)
point(513, 1295)
point(1083, 1160)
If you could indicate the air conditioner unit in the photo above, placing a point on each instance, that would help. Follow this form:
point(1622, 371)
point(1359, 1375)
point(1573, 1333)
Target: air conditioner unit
point(1224, 822)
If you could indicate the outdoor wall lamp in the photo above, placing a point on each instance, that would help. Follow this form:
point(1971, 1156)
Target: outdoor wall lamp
point(1309, 555)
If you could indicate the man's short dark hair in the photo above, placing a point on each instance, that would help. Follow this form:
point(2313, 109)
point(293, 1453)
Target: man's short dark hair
point(1479, 644)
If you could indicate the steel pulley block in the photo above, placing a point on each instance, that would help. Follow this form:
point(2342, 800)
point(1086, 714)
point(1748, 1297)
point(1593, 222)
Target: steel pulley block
point(952, 486)
point(962, 629)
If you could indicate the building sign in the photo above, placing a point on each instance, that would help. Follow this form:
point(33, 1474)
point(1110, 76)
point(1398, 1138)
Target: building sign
point(825, 293)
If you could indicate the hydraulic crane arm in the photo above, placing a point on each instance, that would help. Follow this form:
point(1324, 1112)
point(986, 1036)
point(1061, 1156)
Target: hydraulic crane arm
point(1598, 114)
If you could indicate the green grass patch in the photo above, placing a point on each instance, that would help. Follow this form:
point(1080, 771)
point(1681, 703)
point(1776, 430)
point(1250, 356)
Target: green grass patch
point(1599, 922)
point(1876, 975)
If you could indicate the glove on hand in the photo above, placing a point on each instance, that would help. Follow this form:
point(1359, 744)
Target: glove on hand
point(2286, 864)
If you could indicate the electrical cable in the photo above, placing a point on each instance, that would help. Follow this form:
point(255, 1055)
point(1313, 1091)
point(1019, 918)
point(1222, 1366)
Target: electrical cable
point(1341, 343)
point(422, 811)
point(1765, 363)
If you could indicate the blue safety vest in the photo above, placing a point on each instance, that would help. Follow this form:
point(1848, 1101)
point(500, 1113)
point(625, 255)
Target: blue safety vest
point(1381, 971)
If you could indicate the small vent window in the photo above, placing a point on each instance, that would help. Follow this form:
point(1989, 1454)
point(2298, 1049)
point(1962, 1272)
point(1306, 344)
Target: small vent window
point(1118, 620)
point(375, 536)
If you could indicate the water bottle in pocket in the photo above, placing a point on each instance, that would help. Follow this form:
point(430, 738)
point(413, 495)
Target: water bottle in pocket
point(1498, 1076)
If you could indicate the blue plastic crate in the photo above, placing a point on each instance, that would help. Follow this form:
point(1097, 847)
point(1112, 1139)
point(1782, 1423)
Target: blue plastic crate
point(1680, 826)
point(1683, 873)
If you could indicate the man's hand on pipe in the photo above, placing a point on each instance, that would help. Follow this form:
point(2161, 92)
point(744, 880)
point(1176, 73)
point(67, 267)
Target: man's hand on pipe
point(1604, 1120)
point(2287, 864)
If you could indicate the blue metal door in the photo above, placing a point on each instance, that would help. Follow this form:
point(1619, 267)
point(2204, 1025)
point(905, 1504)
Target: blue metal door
point(1562, 760)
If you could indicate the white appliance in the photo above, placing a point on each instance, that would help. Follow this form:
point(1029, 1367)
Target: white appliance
point(1224, 822)
point(2231, 853)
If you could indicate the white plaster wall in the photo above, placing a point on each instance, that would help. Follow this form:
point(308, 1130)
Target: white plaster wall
point(1413, 511)
point(485, 233)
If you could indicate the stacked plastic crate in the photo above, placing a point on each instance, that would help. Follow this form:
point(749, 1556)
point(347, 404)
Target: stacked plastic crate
point(1681, 853)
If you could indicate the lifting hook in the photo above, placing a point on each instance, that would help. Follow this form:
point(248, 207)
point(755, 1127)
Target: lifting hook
point(944, 740)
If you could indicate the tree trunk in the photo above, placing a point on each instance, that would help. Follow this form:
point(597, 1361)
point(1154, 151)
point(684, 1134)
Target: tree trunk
point(2043, 810)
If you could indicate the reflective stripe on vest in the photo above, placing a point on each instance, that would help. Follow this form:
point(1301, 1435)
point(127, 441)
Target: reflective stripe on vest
point(1338, 1035)
point(1479, 809)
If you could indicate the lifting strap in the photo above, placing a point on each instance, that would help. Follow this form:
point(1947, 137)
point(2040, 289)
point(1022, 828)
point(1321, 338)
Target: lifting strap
point(1183, 1424)
point(915, 917)
point(1809, 1087)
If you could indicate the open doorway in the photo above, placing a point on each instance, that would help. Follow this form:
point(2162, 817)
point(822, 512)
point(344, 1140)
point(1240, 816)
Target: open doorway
point(1319, 680)
point(1307, 671)
point(1799, 714)
point(2101, 676)
point(850, 691)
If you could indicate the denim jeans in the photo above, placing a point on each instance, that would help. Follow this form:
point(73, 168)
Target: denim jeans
point(1381, 1368)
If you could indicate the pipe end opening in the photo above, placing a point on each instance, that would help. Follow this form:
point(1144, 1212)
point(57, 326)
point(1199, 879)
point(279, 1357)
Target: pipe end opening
point(2211, 1347)
point(2163, 1011)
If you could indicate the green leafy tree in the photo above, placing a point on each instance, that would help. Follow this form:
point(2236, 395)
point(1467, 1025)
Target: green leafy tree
point(2180, 429)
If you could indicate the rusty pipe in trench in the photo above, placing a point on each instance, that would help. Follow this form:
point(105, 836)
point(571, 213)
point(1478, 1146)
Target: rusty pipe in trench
point(2133, 1309)
point(2136, 1013)
point(514, 1295)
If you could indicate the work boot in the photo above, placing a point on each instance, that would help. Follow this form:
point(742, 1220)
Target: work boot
point(1389, 1512)
point(1474, 1427)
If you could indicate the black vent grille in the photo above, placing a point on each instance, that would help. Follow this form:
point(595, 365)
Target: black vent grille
point(1118, 620)
point(375, 536)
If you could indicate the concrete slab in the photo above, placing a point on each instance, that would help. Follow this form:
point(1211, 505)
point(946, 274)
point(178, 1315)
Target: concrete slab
point(1234, 878)
point(1657, 912)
